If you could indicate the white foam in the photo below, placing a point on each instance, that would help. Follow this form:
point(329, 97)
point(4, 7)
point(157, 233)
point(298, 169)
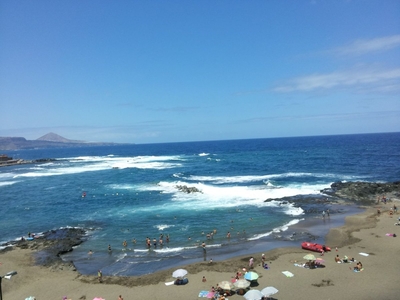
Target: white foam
point(121, 257)
point(98, 163)
point(161, 227)
point(277, 229)
point(169, 250)
point(204, 154)
point(265, 178)
point(230, 196)
point(5, 183)
point(5, 176)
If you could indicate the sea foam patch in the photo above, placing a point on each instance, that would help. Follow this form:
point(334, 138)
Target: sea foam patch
point(83, 164)
point(6, 183)
point(208, 195)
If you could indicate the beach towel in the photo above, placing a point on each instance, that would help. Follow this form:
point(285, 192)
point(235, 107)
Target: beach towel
point(299, 265)
point(203, 294)
point(287, 274)
point(170, 283)
point(363, 254)
point(210, 295)
point(359, 271)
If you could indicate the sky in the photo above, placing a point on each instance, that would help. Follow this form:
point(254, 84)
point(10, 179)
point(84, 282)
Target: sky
point(180, 70)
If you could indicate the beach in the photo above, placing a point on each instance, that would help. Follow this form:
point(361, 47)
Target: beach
point(363, 233)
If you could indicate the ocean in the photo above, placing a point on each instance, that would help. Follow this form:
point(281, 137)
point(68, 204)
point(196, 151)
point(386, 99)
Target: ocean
point(192, 192)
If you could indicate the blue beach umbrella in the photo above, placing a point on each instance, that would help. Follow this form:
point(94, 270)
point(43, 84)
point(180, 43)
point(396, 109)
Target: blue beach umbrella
point(251, 276)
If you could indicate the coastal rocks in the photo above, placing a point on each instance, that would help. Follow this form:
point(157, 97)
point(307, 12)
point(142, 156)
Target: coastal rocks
point(52, 244)
point(187, 190)
point(364, 192)
point(12, 162)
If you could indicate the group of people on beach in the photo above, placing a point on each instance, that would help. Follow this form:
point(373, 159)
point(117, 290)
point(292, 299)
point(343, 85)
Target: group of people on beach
point(344, 260)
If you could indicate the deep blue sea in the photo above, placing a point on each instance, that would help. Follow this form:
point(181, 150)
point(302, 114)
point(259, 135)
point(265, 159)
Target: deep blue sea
point(132, 192)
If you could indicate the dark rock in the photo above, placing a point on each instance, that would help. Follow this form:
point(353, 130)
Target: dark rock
point(188, 190)
point(51, 245)
point(365, 192)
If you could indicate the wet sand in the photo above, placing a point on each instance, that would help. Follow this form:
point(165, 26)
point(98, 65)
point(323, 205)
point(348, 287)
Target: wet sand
point(362, 233)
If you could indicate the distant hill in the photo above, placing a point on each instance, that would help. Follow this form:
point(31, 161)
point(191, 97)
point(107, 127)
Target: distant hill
point(50, 140)
point(53, 137)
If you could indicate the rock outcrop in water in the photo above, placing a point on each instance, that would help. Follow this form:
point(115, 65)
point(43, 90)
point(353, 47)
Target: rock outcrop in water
point(364, 192)
point(188, 190)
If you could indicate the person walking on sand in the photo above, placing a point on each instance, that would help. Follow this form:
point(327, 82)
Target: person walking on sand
point(251, 262)
point(100, 276)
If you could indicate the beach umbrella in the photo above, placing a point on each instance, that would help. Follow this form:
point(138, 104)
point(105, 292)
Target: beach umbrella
point(268, 291)
point(251, 276)
point(179, 273)
point(309, 257)
point(253, 295)
point(241, 284)
point(226, 285)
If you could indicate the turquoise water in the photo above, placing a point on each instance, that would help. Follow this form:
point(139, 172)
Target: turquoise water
point(131, 193)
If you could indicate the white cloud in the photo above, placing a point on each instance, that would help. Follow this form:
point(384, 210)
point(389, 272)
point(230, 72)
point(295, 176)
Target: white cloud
point(388, 80)
point(360, 47)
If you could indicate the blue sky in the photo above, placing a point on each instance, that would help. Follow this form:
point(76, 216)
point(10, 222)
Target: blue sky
point(170, 71)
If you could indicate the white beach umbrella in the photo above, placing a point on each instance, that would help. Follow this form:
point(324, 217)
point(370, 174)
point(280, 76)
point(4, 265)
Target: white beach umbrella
point(179, 273)
point(253, 295)
point(241, 284)
point(268, 291)
point(225, 285)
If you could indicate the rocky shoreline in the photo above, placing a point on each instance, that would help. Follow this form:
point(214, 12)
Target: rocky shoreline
point(50, 245)
point(13, 162)
point(365, 193)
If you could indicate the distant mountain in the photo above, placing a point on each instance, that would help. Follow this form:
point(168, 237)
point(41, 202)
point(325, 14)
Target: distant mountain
point(50, 140)
point(53, 137)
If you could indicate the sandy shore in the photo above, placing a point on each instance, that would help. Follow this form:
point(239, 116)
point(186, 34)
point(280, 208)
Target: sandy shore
point(364, 233)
